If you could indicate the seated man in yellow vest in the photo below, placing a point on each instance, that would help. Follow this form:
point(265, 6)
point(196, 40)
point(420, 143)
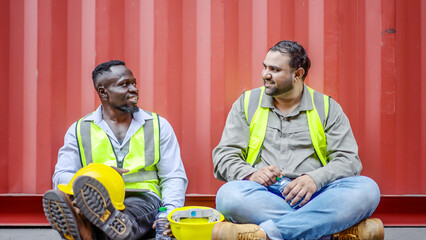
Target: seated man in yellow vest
point(140, 145)
point(291, 162)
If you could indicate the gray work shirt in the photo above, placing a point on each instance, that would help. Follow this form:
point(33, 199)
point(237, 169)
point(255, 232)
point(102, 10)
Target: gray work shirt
point(288, 144)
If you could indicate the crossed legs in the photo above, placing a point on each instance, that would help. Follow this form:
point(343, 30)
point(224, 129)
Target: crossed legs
point(335, 207)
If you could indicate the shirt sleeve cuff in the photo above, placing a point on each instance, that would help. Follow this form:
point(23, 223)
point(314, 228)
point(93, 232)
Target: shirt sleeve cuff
point(318, 177)
point(252, 170)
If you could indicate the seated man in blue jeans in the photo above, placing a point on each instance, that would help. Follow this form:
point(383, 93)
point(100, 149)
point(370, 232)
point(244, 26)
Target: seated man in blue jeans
point(287, 129)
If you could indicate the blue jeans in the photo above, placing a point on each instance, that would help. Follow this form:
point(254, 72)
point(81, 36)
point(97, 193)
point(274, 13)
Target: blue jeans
point(335, 207)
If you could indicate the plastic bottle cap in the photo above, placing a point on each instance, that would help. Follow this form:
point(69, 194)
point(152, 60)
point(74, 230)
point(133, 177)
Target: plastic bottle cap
point(162, 209)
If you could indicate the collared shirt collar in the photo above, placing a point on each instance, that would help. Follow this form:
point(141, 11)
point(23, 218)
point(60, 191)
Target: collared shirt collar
point(304, 105)
point(139, 116)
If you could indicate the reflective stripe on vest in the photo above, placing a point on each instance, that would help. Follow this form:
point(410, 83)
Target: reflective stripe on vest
point(142, 152)
point(257, 118)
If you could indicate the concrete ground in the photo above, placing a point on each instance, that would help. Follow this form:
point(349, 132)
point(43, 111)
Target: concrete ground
point(391, 233)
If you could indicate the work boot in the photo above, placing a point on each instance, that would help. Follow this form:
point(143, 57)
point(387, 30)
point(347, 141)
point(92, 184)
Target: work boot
point(94, 202)
point(368, 229)
point(63, 218)
point(232, 231)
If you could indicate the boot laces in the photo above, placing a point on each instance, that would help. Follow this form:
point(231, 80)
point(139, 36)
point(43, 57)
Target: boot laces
point(349, 237)
point(248, 235)
point(349, 234)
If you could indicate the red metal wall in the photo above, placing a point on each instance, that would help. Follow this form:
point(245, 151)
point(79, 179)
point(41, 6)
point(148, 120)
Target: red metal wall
point(194, 58)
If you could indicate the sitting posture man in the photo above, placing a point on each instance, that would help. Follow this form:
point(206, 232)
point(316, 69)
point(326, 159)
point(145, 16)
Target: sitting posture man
point(286, 128)
point(139, 144)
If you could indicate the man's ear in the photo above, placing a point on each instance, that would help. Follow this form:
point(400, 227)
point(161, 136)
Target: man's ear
point(102, 91)
point(298, 74)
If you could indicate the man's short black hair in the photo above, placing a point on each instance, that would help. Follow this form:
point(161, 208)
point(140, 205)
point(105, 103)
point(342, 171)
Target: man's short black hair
point(297, 54)
point(105, 67)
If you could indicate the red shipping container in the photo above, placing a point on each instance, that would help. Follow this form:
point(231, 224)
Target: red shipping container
point(193, 59)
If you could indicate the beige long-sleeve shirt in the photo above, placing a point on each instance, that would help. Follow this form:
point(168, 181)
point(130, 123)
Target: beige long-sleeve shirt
point(288, 144)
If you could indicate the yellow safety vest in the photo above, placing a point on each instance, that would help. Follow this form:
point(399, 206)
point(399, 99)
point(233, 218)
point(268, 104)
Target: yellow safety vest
point(143, 152)
point(257, 118)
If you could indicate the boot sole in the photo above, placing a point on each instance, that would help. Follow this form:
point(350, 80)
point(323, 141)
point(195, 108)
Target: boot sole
point(60, 215)
point(94, 202)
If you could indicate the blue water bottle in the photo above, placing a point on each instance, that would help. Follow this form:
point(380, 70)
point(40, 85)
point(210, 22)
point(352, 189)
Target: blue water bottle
point(161, 219)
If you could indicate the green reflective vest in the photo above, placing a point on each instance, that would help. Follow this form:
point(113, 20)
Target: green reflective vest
point(143, 152)
point(257, 118)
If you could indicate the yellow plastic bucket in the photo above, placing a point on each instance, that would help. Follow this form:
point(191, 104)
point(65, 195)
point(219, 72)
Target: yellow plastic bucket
point(194, 222)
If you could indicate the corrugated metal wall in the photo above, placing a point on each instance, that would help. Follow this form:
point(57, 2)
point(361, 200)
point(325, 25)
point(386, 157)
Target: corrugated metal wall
point(194, 58)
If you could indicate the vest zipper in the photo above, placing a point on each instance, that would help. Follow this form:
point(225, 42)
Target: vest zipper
point(119, 163)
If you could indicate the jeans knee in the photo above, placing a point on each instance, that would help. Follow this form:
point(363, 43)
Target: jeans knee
point(232, 195)
point(371, 188)
point(226, 196)
point(368, 193)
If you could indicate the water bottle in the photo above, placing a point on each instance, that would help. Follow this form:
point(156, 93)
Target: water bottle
point(161, 222)
point(283, 181)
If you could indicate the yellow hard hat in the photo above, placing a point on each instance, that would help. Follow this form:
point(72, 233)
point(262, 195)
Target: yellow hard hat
point(194, 222)
point(106, 175)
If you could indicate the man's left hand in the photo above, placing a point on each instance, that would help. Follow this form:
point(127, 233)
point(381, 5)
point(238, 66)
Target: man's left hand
point(303, 186)
point(168, 230)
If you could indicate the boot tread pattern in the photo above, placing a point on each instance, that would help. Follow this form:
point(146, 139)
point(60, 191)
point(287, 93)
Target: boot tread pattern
point(94, 201)
point(60, 216)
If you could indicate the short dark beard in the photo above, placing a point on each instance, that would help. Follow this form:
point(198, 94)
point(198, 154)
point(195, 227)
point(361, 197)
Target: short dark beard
point(128, 109)
point(276, 92)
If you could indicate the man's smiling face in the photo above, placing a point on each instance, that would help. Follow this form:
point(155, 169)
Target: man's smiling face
point(277, 75)
point(120, 89)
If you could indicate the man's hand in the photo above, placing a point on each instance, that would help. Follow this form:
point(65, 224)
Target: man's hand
point(168, 230)
point(303, 186)
point(265, 176)
point(120, 170)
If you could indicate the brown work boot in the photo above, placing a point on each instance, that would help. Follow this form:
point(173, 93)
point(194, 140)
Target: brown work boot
point(63, 218)
point(232, 231)
point(368, 229)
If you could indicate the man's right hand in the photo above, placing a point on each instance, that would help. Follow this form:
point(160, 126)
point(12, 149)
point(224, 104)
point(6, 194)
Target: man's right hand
point(265, 176)
point(120, 170)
